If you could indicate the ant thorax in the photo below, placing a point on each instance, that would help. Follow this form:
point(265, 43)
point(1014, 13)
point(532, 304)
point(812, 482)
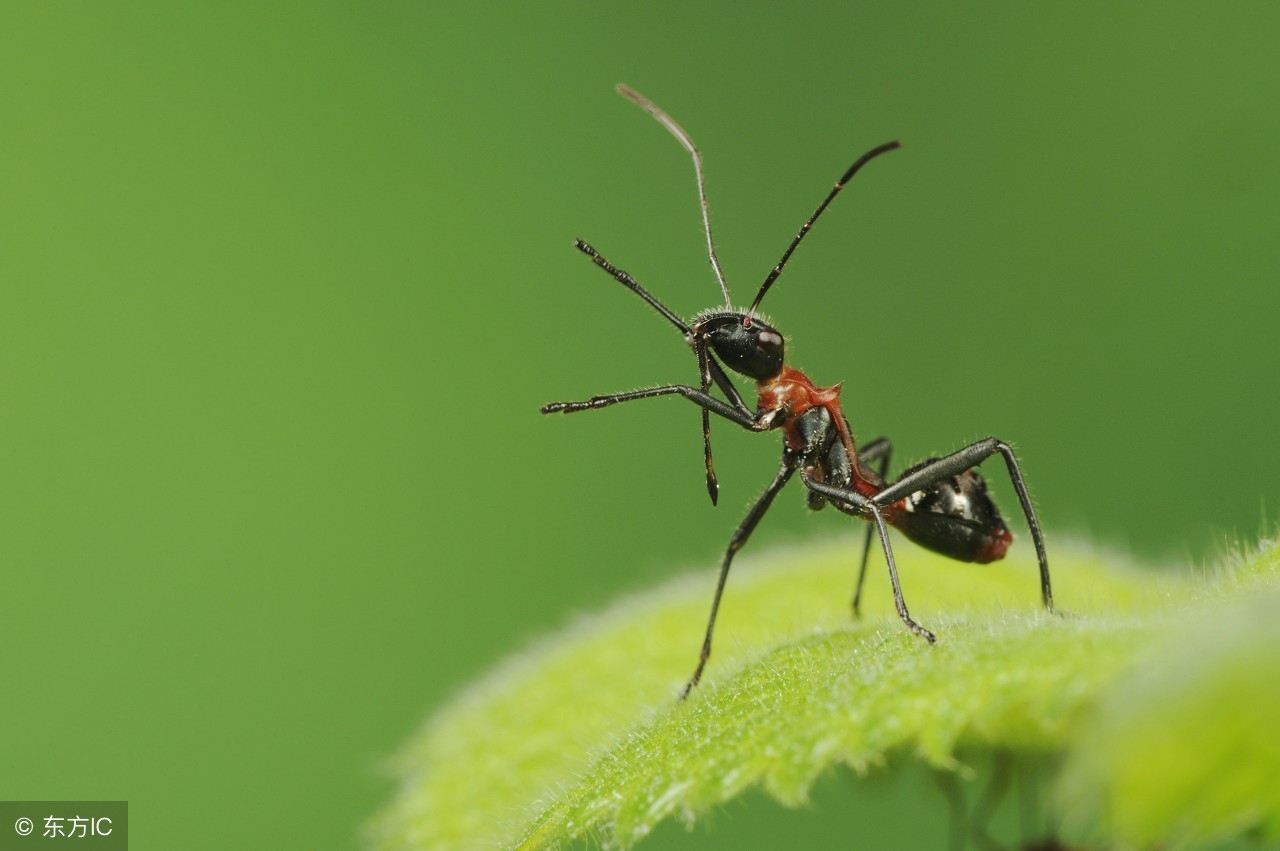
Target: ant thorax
point(792, 393)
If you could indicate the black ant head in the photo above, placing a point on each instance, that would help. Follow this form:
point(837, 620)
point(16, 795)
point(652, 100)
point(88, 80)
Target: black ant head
point(745, 343)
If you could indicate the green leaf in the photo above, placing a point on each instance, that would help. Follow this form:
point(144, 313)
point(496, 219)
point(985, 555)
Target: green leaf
point(582, 735)
point(1186, 749)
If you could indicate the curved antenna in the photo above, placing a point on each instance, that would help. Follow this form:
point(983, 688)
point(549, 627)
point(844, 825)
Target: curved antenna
point(844, 178)
point(676, 130)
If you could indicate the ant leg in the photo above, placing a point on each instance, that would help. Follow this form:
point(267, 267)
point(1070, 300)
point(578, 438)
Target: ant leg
point(717, 374)
point(739, 538)
point(736, 411)
point(854, 503)
point(708, 369)
point(726, 386)
point(705, 400)
point(711, 371)
point(877, 450)
point(967, 458)
point(704, 374)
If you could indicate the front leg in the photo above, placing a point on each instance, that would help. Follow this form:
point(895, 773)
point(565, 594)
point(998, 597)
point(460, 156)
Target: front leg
point(708, 371)
point(704, 373)
point(708, 402)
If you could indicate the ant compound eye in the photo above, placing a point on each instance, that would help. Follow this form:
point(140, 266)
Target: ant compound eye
point(770, 342)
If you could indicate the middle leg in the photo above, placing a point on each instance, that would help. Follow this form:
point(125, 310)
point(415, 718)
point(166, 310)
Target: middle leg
point(875, 453)
point(854, 503)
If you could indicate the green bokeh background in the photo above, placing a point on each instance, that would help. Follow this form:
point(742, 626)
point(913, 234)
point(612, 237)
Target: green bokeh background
point(282, 286)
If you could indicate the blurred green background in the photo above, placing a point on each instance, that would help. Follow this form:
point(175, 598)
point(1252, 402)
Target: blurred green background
point(282, 286)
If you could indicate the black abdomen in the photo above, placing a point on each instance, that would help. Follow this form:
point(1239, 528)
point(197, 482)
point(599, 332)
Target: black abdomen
point(955, 517)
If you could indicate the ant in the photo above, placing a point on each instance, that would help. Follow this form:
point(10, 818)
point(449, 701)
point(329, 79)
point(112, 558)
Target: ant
point(941, 503)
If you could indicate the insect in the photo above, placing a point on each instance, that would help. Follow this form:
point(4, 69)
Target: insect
point(940, 503)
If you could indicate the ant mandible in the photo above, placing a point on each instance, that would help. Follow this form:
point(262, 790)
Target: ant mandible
point(941, 503)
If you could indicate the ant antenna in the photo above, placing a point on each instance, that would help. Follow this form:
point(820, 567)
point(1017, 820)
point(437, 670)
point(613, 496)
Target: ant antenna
point(676, 130)
point(845, 178)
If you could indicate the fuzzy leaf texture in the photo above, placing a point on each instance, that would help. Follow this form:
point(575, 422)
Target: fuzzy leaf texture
point(1160, 690)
